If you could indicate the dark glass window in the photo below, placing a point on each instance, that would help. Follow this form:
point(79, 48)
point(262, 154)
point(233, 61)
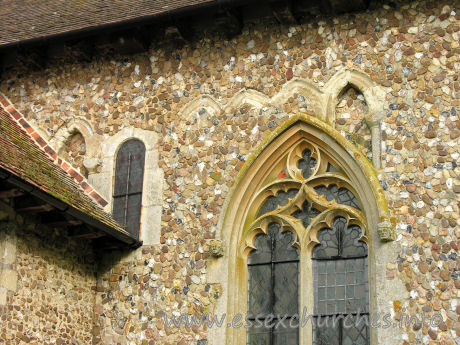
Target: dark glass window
point(129, 176)
point(306, 214)
point(307, 164)
point(340, 264)
point(341, 195)
point(341, 286)
point(280, 199)
point(273, 288)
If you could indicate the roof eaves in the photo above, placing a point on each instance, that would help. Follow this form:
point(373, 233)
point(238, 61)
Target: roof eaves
point(118, 233)
point(43, 144)
point(114, 24)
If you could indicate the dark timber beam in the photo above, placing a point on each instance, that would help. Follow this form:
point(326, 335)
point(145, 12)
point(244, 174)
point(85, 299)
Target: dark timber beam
point(229, 22)
point(63, 223)
point(26, 204)
point(107, 246)
point(36, 209)
point(88, 235)
point(340, 6)
point(84, 231)
point(11, 193)
point(282, 10)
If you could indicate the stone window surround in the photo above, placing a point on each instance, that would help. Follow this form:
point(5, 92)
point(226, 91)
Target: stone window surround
point(100, 158)
point(231, 270)
point(102, 177)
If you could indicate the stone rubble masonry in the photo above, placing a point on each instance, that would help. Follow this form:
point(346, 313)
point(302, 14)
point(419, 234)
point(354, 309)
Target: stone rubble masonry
point(47, 283)
point(43, 144)
point(410, 50)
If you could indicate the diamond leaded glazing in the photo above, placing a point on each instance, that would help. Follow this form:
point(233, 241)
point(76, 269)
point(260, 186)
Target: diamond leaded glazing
point(273, 286)
point(340, 285)
point(308, 192)
point(341, 195)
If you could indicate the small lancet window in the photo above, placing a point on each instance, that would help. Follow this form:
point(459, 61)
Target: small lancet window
point(129, 176)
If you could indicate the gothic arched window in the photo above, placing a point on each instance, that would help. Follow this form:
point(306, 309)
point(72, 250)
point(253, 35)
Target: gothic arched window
point(127, 193)
point(308, 222)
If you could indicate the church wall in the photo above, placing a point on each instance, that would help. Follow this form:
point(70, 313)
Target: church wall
point(47, 283)
point(213, 101)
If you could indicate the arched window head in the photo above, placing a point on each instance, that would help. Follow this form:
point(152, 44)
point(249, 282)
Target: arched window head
point(307, 202)
point(306, 190)
point(127, 193)
point(74, 151)
point(298, 228)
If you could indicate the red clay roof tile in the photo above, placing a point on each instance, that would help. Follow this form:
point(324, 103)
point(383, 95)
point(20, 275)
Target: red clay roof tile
point(22, 155)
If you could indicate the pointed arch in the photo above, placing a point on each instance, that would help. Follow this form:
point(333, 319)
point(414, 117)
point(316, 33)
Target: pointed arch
point(372, 92)
point(240, 223)
point(251, 97)
point(305, 88)
point(198, 103)
point(75, 125)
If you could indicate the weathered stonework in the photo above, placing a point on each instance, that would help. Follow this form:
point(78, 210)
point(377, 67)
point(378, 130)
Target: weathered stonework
point(209, 105)
point(49, 281)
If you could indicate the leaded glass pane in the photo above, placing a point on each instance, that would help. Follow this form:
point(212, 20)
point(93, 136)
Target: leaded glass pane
point(341, 286)
point(281, 199)
point(329, 244)
point(260, 290)
point(263, 254)
point(340, 272)
point(340, 240)
point(283, 248)
point(342, 330)
point(306, 214)
point(358, 333)
point(307, 163)
point(133, 214)
point(351, 245)
point(285, 289)
point(285, 334)
point(341, 195)
point(129, 169)
point(325, 332)
point(258, 335)
point(129, 177)
point(273, 286)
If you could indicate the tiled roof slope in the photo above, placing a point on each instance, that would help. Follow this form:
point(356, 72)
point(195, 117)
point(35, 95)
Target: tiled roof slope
point(26, 155)
point(29, 19)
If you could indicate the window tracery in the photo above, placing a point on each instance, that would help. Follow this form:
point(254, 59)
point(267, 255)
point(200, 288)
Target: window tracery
point(307, 204)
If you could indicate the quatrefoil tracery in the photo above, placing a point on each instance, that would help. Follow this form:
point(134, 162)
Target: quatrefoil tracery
point(309, 193)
